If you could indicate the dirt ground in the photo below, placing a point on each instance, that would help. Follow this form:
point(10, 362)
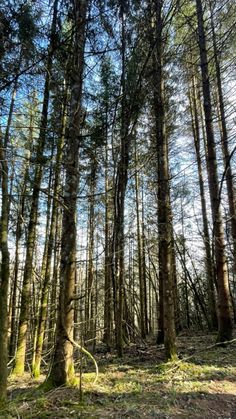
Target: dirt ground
point(202, 384)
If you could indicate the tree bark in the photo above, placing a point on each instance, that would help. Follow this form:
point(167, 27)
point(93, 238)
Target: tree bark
point(50, 245)
point(4, 271)
point(119, 201)
point(89, 308)
point(164, 206)
point(206, 236)
point(107, 288)
point(62, 369)
point(141, 268)
point(224, 315)
point(31, 237)
point(224, 141)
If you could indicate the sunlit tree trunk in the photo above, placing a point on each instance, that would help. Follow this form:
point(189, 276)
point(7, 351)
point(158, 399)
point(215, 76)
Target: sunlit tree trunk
point(224, 139)
point(89, 308)
point(141, 268)
point(207, 243)
point(119, 201)
point(164, 208)
point(52, 307)
point(31, 234)
point(4, 272)
point(107, 289)
point(62, 369)
point(224, 315)
point(51, 231)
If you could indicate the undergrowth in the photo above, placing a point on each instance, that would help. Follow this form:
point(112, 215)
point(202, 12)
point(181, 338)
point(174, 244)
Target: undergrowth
point(201, 384)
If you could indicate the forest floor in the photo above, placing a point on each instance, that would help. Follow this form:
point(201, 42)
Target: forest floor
point(202, 384)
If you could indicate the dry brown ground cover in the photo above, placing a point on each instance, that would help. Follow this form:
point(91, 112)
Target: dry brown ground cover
point(201, 385)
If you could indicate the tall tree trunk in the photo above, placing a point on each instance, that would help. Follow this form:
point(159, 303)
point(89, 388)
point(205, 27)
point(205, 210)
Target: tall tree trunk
point(4, 271)
point(62, 369)
point(143, 241)
point(50, 245)
point(107, 289)
point(37, 293)
point(142, 283)
point(52, 314)
point(19, 230)
point(224, 140)
point(183, 252)
point(206, 236)
point(119, 200)
point(5, 258)
point(31, 237)
point(15, 285)
point(164, 208)
point(224, 315)
point(89, 312)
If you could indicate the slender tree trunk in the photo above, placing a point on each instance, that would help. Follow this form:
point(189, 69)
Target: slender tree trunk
point(164, 208)
point(5, 142)
point(55, 280)
point(36, 323)
point(175, 280)
point(183, 252)
point(89, 315)
point(46, 274)
point(19, 231)
point(207, 243)
point(119, 204)
point(4, 271)
point(13, 328)
point(143, 245)
point(142, 283)
point(62, 369)
point(108, 297)
point(224, 140)
point(31, 238)
point(224, 315)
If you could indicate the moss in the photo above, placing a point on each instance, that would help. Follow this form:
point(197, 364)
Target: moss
point(135, 389)
point(36, 371)
point(18, 369)
point(41, 402)
point(73, 381)
point(47, 385)
point(3, 403)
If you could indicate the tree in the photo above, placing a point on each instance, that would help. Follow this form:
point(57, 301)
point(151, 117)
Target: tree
point(164, 206)
point(224, 137)
point(51, 231)
point(4, 270)
point(206, 235)
point(31, 234)
point(62, 369)
point(224, 315)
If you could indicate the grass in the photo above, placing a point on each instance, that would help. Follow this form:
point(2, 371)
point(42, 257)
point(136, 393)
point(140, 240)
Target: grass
point(201, 385)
